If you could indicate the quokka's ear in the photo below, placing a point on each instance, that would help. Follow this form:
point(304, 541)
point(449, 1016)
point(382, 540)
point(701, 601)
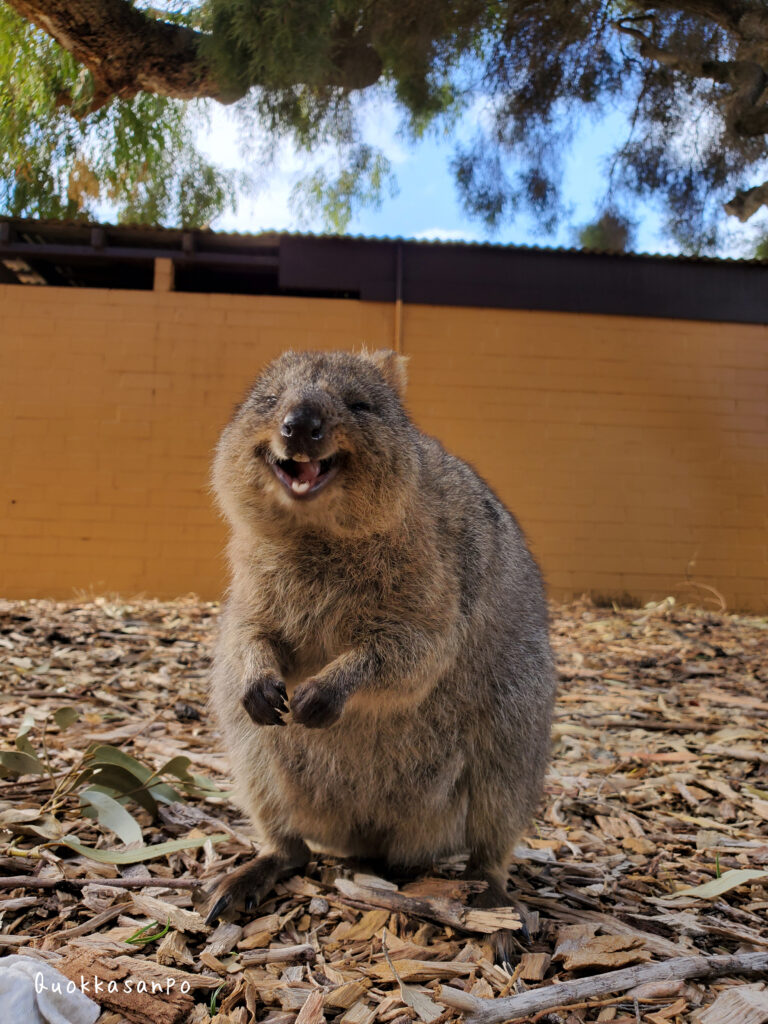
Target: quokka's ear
point(392, 367)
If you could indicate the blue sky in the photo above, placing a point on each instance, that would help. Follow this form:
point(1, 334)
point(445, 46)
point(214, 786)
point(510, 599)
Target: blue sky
point(427, 204)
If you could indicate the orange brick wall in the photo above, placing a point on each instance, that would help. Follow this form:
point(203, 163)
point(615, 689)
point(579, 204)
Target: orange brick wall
point(634, 452)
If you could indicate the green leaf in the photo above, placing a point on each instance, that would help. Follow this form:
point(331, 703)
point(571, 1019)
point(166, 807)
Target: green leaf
point(27, 723)
point(113, 816)
point(113, 780)
point(208, 786)
point(65, 717)
point(728, 880)
point(107, 755)
point(21, 763)
point(214, 998)
point(140, 939)
point(141, 854)
point(177, 766)
point(23, 744)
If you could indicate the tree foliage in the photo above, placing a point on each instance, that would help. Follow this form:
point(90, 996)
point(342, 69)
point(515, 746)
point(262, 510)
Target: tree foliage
point(692, 76)
point(611, 232)
point(60, 158)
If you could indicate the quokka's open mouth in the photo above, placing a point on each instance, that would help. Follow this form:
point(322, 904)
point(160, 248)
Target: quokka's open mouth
point(303, 477)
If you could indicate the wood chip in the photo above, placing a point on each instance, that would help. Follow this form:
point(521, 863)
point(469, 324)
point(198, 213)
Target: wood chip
point(533, 966)
point(746, 1004)
point(657, 787)
point(173, 949)
point(346, 995)
point(163, 912)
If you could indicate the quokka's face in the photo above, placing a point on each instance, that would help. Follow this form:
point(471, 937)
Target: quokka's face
point(319, 437)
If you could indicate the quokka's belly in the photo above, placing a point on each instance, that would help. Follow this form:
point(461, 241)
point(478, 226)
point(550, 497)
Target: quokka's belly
point(365, 788)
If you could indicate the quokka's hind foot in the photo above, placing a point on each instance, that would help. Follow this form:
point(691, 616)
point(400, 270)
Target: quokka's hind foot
point(507, 948)
point(505, 943)
point(249, 885)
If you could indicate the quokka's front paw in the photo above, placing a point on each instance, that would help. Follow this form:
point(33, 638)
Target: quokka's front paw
point(316, 704)
point(265, 699)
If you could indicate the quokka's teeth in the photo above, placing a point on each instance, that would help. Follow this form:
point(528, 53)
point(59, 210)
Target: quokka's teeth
point(301, 458)
point(300, 488)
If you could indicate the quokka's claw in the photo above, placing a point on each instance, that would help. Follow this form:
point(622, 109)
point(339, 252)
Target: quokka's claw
point(218, 908)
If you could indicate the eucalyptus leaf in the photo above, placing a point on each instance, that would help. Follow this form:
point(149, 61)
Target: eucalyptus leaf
point(114, 780)
point(21, 763)
point(728, 880)
point(164, 793)
point(23, 744)
point(65, 717)
point(426, 1010)
point(114, 816)
point(142, 853)
point(208, 786)
point(107, 755)
point(178, 766)
point(28, 821)
point(27, 723)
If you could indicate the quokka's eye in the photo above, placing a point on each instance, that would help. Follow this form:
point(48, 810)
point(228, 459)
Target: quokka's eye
point(359, 407)
point(269, 400)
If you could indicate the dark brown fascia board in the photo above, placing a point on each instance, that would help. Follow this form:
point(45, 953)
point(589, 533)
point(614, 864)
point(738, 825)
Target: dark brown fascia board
point(134, 254)
point(430, 274)
point(506, 278)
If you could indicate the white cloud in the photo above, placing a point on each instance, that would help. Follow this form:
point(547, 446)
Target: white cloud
point(448, 235)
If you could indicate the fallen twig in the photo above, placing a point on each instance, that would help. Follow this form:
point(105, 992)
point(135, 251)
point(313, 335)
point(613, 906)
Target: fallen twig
point(491, 1011)
point(31, 882)
point(280, 955)
point(435, 908)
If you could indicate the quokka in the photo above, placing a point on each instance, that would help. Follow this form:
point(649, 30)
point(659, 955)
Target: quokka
point(383, 679)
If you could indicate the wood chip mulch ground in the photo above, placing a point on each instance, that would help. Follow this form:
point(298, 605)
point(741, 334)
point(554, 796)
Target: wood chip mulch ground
point(650, 851)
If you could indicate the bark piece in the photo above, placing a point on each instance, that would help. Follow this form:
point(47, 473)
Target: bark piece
point(162, 912)
point(606, 951)
point(370, 924)
point(360, 1013)
point(224, 939)
point(420, 970)
point(167, 1005)
point(173, 950)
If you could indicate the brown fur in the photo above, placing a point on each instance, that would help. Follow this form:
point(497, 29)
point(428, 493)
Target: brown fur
point(405, 617)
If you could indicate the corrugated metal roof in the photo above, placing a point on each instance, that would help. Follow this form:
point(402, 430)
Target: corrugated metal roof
point(271, 237)
point(383, 269)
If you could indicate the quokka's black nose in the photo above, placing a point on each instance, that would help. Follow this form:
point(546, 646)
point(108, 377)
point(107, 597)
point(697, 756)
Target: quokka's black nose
point(303, 424)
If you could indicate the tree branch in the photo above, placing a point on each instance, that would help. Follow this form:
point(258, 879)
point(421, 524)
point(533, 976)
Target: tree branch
point(129, 51)
point(744, 204)
point(491, 1011)
point(125, 50)
point(151, 881)
point(746, 107)
point(717, 70)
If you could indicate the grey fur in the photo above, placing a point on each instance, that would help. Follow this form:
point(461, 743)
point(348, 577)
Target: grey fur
point(402, 606)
